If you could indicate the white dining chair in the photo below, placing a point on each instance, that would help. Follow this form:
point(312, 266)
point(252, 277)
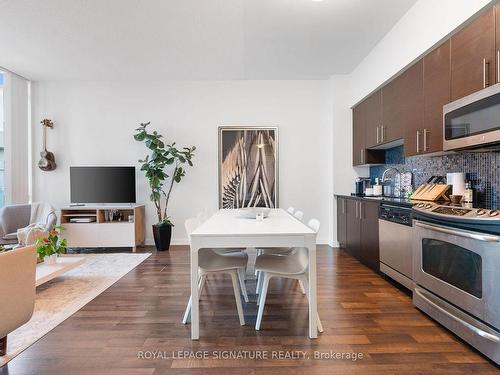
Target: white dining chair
point(299, 215)
point(293, 266)
point(209, 262)
point(282, 251)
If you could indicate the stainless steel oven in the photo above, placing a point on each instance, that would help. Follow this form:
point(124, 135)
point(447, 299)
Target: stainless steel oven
point(472, 121)
point(457, 277)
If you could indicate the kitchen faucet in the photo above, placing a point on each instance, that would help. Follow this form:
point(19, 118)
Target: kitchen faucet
point(387, 190)
point(387, 170)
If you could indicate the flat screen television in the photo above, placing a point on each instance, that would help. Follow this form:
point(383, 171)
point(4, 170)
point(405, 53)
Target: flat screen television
point(102, 184)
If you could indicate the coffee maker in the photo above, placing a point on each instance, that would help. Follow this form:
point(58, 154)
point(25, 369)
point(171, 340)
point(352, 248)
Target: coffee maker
point(361, 184)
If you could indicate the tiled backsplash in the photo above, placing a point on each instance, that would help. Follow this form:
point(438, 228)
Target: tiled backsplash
point(482, 169)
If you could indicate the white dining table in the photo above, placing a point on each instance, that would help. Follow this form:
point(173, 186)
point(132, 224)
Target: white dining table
point(227, 229)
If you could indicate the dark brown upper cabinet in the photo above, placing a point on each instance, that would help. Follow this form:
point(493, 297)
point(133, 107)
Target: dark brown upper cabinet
point(410, 107)
point(361, 155)
point(373, 119)
point(473, 56)
point(411, 103)
point(358, 135)
point(392, 126)
point(437, 93)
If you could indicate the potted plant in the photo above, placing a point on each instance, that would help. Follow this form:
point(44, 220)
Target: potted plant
point(165, 162)
point(50, 246)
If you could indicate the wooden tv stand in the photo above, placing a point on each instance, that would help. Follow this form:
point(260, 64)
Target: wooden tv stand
point(101, 232)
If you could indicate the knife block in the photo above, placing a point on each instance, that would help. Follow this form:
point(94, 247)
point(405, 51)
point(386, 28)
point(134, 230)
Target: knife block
point(432, 192)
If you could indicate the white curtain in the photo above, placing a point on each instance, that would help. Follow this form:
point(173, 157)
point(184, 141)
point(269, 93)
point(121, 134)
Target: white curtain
point(17, 144)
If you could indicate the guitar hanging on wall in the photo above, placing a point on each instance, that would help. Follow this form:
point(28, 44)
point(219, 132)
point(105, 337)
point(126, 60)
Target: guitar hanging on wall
point(47, 161)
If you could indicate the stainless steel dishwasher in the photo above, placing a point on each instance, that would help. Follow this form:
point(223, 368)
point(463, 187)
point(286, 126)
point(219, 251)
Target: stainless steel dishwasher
point(395, 240)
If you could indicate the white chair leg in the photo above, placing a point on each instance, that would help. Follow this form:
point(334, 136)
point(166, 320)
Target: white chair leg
point(262, 298)
point(320, 325)
point(187, 313)
point(306, 286)
point(201, 283)
point(258, 287)
point(242, 284)
point(236, 289)
point(257, 253)
point(301, 286)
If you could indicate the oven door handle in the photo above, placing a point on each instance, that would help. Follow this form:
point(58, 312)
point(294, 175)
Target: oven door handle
point(471, 327)
point(456, 232)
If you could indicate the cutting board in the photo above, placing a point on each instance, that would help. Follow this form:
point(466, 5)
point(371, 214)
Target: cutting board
point(432, 192)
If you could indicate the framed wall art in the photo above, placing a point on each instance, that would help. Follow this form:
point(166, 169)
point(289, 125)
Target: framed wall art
point(248, 166)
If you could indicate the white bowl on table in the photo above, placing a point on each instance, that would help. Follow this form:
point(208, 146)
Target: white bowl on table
point(253, 212)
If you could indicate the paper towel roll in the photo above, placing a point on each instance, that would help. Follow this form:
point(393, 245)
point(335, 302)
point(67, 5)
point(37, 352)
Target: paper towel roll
point(457, 180)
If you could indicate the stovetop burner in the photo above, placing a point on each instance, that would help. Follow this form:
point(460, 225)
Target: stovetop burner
point(462, 215)
point(448, 210)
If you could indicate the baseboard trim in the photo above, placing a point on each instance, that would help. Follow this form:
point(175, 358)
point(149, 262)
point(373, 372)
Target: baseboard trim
point(184, 241)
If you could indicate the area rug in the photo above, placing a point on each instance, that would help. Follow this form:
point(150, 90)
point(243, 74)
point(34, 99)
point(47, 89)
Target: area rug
point(61, 297)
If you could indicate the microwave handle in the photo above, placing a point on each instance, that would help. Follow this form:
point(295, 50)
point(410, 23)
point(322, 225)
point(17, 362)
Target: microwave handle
point(476, 330)
point(456, 232)
point(498, 66)
point(486, 73)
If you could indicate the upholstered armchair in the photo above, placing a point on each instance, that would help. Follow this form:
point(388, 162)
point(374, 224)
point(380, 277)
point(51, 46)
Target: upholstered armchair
point(17, 290)
point(18, 216)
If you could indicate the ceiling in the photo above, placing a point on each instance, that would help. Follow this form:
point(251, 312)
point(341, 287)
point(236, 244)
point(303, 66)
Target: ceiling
point(191, 39)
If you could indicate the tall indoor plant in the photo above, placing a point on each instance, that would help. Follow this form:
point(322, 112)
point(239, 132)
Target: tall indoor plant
point(164, 163)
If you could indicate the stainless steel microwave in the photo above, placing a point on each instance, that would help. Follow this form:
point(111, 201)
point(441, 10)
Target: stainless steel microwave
point(472, 121)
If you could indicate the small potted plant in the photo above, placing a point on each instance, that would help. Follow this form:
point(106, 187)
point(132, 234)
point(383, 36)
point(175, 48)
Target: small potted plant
point(165, 162)
point(50, 246)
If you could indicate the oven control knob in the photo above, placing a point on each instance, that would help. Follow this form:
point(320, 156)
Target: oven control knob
point(494, 213)
point(427, 206)
point(420, 205)
point(480, 212)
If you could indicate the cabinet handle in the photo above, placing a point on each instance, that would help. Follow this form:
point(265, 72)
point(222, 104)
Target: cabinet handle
point(356, 207)
point(418, 141)
point(378, 135)
point(426, 133)
point(343, 206)
point(486, 80)
point(383, 133)
point(498, 66)
point(361, 156)
point(361, 210)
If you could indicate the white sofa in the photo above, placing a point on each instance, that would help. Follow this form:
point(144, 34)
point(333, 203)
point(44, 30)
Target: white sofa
point(17, 290)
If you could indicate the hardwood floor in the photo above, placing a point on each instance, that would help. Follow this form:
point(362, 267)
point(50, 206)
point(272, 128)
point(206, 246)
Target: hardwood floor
point(141, 313)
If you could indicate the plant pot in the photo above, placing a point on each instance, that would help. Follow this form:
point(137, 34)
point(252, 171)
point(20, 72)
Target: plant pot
point(50, 260)
point(162, 234)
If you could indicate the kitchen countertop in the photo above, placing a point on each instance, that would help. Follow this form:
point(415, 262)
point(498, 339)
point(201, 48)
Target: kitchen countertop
point(395, 200)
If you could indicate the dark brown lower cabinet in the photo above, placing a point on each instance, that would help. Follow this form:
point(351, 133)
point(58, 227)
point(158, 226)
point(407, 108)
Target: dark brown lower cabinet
point(357, 229)
point(341, 221)
point(369, 253)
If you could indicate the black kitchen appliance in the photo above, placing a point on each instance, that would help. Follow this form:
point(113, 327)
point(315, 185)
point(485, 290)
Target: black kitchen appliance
point(361, 184)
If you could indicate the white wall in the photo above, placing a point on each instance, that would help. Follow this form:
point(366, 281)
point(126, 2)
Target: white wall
point(426, 24)
point(94, 123)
